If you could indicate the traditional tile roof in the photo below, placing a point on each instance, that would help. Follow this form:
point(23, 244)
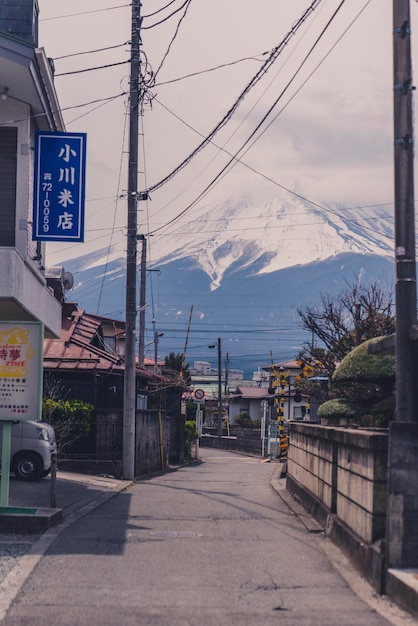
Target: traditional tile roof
point(81, 345)
point(250, 393)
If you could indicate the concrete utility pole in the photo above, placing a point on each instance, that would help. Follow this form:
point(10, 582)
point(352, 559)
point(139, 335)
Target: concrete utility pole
point(219, 389)
point(129, 403)
point(142, 304)
point(406, 311)
point(402, 508)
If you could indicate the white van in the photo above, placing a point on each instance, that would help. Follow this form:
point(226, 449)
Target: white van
point(31, 449)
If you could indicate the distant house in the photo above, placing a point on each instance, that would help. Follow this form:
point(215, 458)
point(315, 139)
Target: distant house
point(248, 400)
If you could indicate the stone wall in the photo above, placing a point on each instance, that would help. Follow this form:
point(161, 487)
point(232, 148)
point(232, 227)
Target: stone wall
point(340, 475)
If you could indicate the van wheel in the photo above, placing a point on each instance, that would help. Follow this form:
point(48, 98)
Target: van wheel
point(27, 466)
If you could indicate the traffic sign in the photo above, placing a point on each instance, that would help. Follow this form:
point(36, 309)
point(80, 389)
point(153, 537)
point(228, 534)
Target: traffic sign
point(199, 394)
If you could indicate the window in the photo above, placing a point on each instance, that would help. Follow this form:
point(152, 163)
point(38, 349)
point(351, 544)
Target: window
point(8, 168)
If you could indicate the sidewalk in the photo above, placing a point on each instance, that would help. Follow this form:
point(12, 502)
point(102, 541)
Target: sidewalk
point(73, 491)
point(76, 495)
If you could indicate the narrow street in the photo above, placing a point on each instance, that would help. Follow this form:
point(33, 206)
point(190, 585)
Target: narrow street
point(210, 544)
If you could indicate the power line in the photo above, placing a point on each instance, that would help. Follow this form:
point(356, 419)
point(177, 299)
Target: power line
point(76, 54)
point(261, 72)
point(69, 108)
point(187, 6)
point(92, 69)
point(60, 17)
point(234, 158)
point(160, 10)
point(187, 2)
point(211, 69)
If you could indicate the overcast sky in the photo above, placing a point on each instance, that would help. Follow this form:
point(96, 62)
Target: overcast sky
point(330, 136)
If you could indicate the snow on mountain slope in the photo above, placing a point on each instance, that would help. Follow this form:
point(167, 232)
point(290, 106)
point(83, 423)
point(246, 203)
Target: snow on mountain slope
point(240, 235)
point(284, 232)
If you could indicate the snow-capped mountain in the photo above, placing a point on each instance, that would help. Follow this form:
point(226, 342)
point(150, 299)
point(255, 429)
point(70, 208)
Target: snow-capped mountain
point(246, 269)
point(282, 233)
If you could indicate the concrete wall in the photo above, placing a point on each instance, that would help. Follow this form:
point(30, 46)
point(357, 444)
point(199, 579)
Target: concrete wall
point(102, 453)
point(340, 475)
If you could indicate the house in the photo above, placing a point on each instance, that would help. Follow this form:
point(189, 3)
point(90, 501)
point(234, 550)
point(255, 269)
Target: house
point(249, 401)
point(87, 363)
point(28, 103)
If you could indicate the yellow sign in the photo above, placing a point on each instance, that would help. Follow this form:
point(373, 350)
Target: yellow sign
point(21, 355)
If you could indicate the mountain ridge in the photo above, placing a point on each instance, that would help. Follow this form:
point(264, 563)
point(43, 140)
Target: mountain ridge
point(244, 284)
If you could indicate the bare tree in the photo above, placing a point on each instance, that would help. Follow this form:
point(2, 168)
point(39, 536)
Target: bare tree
point(342, 322)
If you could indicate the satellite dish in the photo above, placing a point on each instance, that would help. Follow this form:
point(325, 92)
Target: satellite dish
point(68, 281)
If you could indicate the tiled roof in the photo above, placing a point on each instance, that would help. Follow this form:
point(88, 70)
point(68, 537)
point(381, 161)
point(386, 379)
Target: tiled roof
point(250, 392)
point(76, 349)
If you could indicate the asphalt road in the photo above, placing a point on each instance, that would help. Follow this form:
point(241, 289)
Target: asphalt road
point(209, 544)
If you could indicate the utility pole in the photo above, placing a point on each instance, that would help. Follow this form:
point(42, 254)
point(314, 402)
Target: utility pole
point(401, 529)
point(142, 304)
point(219, 390)
point(156, 341)
point(226, 374)
point(129, 403)
point(406, 312)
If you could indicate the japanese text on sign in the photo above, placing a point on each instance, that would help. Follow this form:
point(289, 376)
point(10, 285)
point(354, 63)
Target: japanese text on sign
point(59, 187)
point(20, 370)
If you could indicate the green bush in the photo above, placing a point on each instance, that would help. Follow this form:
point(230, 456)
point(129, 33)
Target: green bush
point(70, 420)
point(244, 420)
point(191, 436)
point(337, 407)
point(364, 385)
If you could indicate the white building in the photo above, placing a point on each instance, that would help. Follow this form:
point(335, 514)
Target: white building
point(28, 102)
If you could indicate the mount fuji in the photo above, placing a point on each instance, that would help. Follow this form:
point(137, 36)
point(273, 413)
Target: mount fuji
point(245, 269)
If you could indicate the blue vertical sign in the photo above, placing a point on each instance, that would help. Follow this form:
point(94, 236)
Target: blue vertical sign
point(59, 186)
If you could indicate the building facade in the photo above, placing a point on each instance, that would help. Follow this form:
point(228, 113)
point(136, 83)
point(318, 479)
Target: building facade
point(28, 103)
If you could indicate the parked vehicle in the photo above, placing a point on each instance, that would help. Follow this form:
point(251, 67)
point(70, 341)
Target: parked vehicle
point(31, 448)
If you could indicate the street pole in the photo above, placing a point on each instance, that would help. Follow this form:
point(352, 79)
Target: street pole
point(156, 341)
point(406, 312)
point(142, 305)
point(226, 374)
point(219, 390)
point(401, 539)
point(155, 352)
point(129, 403)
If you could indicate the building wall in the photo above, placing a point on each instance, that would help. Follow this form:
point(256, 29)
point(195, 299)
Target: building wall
point(23, 291)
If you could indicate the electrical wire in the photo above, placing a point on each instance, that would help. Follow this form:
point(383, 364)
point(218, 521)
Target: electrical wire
point(69, 108)
point(60, 17)
point(99, 106)
point(92, 69)
point(261, 72)
point(234, 159)
point(76, 54)
point(186, 2)
point(187, 5)
point(114, 214)
point(211, 69)
point(160, 10)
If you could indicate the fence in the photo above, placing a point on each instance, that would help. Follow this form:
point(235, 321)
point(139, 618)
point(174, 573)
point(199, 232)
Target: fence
point(159, 441)
point(340, 476)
